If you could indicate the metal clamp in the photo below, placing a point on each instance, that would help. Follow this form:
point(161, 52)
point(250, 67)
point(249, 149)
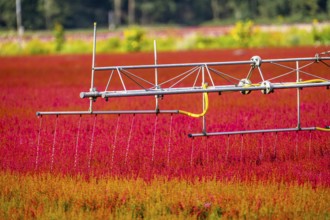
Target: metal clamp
point(93, 90)
point(269, 87)
point(245, 83)
point(256, 61)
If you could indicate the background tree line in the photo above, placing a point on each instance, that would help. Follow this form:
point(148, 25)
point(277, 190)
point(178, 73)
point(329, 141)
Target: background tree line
point(43, 14)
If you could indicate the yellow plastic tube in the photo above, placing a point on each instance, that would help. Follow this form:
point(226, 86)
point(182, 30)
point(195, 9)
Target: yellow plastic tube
point(322, 129)
point(194, 115)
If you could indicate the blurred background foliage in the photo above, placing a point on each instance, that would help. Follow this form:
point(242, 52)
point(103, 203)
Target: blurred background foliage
point(44, 14)
point(59, 26)
point(244, 34)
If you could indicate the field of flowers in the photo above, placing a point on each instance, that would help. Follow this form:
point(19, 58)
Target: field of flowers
point(145, 166)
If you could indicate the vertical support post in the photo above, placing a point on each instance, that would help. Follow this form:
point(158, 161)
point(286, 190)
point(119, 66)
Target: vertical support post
point(298, 96)
point(156, 75)
point(204, 116)
point(20, 28)
point(92, 89)
point(111, 21)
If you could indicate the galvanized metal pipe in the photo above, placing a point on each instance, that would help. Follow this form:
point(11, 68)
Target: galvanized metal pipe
point(251, 131)
point(93, 69)
point(298, 96)
point(174, 65)
point(203, 101)
point(156, 75)
point(93, 57)
point(186, 90)
point(249, 62)
point(118, 112)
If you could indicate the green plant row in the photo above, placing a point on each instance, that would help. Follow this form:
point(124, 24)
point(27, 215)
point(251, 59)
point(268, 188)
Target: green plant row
point(242, 35)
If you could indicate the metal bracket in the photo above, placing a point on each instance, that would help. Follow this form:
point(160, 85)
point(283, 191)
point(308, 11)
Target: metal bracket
point(269, 87)
point(245, 83)
point(256, 61)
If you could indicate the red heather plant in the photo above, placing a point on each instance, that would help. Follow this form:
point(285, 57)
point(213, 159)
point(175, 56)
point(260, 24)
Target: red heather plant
point(62, 146)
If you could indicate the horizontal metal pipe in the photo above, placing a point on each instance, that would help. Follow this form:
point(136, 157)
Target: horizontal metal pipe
point(283, 60)
point(251, 131)
point(119, 112)
point(172, 65)
point(208, 63)
point(301, 85)
point(64, 113)
point(187, 90)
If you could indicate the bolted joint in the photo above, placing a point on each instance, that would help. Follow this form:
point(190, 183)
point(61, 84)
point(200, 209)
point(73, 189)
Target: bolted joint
point(256, 61)
point(159, 96)
point(317, 58)
point(269, 87)
point(245, 83)
point(94, 90)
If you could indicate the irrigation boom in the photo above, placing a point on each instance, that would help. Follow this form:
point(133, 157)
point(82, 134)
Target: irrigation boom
point(205, 78)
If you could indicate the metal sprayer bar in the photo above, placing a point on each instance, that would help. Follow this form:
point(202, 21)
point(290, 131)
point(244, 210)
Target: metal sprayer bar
point(244, 86)
point(151, 66)
point(186, 90)
point(119, 112)
point(206, 134)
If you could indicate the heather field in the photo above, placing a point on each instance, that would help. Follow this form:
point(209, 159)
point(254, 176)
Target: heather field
point(146, 166)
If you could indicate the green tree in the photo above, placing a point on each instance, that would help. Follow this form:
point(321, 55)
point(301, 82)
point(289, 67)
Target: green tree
point(158, 11)
point(240, 9)
point(41, 14)
point(7, 15)
point(220, 9)
point(32, 17)
point(59, 36)
point(302, 9)
point(50, 10)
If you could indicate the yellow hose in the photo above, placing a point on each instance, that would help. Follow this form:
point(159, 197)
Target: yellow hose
point(194, 115)
point(322, 129)
point(250, 85)
point(206, 99)
point(312, 81)
point(308, 81)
